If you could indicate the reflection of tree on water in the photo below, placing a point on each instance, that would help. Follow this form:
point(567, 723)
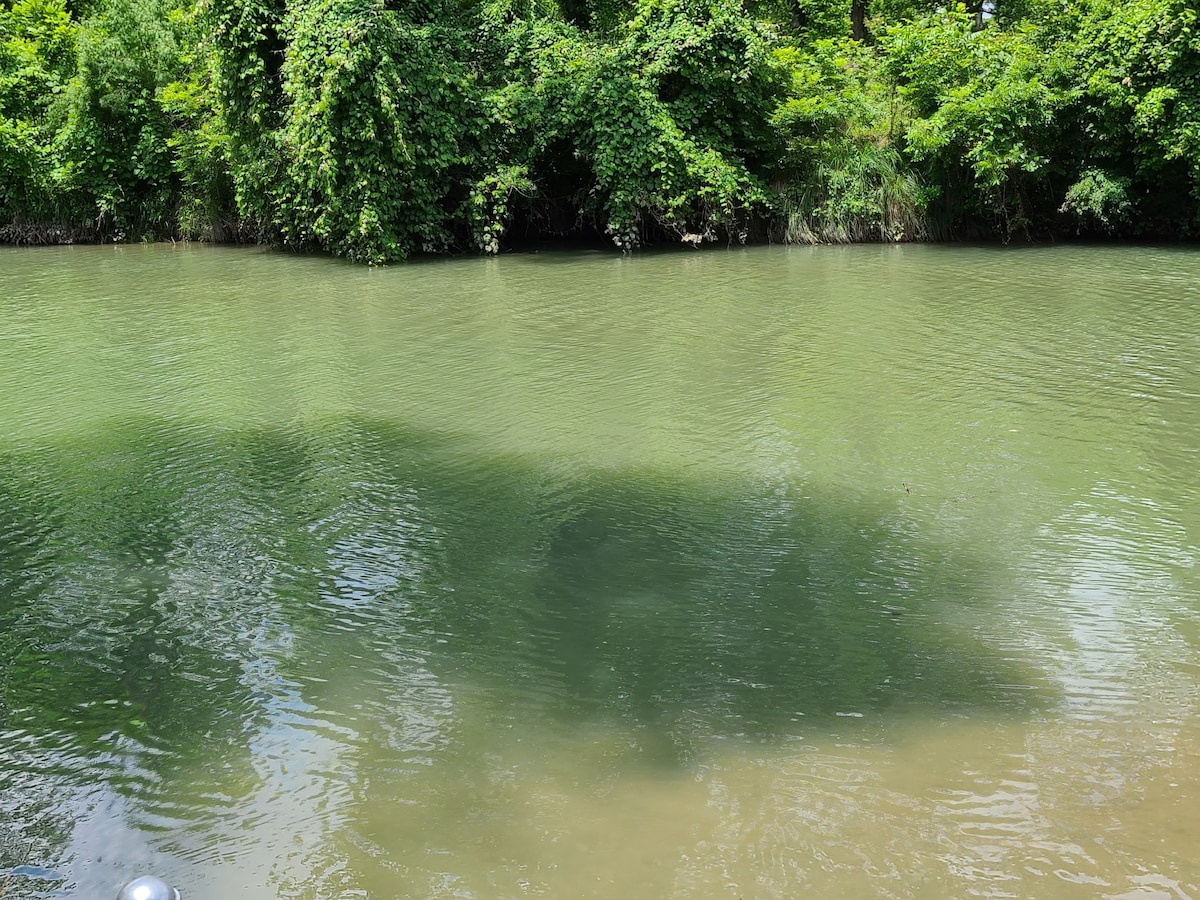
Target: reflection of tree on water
point(184, 602)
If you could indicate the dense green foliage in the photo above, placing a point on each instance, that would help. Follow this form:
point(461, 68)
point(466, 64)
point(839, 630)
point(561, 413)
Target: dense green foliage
point(379, 128)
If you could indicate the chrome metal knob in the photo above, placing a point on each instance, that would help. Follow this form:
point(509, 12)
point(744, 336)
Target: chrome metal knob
point(148, 887)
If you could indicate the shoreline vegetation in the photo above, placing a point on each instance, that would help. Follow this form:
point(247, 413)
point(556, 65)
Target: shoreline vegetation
point(378, 129)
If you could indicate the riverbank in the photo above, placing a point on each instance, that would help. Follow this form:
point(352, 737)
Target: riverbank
point(596, 242)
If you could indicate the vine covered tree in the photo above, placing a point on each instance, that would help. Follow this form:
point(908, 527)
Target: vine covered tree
point(379, 128)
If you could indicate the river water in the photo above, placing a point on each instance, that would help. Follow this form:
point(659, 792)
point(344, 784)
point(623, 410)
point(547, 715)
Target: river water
point(835, 572)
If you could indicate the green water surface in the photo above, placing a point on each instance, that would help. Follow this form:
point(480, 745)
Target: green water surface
point(861, 572)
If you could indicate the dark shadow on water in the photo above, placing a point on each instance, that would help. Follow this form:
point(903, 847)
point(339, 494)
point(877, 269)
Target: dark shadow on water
point(625, 593)
point(159, 583)
point(716, 608)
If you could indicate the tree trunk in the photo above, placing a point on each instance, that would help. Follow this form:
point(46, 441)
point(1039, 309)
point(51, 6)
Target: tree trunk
point(858, 20)
point(799, 16)
point(976, 10)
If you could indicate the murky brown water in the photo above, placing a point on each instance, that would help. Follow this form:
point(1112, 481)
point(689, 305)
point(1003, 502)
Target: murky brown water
point(863, 572)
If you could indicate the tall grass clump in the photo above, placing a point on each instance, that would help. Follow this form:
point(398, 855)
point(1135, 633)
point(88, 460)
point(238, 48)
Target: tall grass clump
point(855, 192)
point(843, 179)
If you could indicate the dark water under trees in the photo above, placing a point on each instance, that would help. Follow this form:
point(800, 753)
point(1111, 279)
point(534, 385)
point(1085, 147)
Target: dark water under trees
point(863, 572)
